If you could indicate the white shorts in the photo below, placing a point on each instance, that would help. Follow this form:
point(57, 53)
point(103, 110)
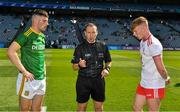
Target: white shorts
point(28, 89)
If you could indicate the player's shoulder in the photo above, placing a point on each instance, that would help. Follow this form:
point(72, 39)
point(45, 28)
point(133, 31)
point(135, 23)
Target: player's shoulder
point(155, 42)
point(27, 32)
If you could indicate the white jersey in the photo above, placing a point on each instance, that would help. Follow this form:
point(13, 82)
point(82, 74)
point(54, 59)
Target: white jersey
point(150, 77)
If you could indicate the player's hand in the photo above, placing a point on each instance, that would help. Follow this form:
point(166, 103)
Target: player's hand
point(167, 81)
point(104, 73)
point(82, 63)
point(28, 75)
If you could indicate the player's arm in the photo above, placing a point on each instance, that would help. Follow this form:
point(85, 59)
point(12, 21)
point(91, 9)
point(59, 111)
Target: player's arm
point(161, 68)
point(13, 56)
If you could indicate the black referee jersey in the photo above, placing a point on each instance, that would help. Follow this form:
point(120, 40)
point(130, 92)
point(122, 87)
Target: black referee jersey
point(94, 54)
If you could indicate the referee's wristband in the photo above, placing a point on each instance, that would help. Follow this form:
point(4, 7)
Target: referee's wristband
point(107, 68)
point(167, 78)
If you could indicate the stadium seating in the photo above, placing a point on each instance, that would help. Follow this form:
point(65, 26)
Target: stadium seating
point(9, 25)
point(113, 31)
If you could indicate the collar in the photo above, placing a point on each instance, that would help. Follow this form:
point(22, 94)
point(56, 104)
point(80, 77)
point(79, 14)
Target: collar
point(89, 43)
point(35, 31)
point(147, 37)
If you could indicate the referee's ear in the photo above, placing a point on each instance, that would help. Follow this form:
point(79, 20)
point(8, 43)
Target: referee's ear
point(85, 33)
point(97, 32)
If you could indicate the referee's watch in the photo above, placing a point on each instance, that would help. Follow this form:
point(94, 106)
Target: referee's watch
point(107, 68)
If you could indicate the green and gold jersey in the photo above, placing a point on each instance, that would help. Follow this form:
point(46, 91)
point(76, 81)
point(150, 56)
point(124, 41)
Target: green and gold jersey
point(32, 52)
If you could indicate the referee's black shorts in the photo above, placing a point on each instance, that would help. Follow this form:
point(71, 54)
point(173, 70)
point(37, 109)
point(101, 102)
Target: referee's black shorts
point(86, 86)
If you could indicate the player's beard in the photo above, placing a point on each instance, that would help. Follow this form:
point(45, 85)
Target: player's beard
point(43, 28)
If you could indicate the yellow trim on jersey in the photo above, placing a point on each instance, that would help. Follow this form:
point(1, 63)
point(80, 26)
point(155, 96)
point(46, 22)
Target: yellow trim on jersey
point(22, 85)
point(31, 30)
point(35, 31)
point(28, 32)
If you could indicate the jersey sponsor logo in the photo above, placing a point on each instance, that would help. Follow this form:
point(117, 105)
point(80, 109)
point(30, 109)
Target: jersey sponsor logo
point(38, 47)
point(38, 44)
point(41, 40)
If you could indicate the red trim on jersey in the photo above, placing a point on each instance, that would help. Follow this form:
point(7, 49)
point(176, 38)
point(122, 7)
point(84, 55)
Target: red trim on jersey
point(147, 37)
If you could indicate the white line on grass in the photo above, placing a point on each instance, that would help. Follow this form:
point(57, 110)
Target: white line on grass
point(175, 68)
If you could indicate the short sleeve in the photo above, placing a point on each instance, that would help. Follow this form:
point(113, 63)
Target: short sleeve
point(76, 55)
point(21, 40)
point(155, 49)
point(107, 54)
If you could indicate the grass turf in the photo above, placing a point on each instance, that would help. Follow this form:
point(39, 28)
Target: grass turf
point(120, 84)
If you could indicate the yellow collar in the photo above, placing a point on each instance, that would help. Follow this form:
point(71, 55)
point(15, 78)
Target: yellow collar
point(35, 31)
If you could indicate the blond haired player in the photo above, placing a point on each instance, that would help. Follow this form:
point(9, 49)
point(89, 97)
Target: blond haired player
point(154, 76)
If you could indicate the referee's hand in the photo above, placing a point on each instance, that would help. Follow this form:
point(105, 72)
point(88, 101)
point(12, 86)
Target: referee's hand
point(82, 63)
point(104, 73)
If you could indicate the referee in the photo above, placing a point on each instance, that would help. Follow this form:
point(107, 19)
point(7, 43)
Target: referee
point(89, 58)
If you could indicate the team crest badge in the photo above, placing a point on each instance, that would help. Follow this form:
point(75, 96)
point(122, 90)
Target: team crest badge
point(26, 93)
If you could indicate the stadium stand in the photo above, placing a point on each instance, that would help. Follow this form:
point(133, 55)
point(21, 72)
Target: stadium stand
point(112, 30)
point(9, 25)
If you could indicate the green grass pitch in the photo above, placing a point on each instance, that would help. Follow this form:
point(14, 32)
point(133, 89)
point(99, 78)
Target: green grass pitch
point(120, 84)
